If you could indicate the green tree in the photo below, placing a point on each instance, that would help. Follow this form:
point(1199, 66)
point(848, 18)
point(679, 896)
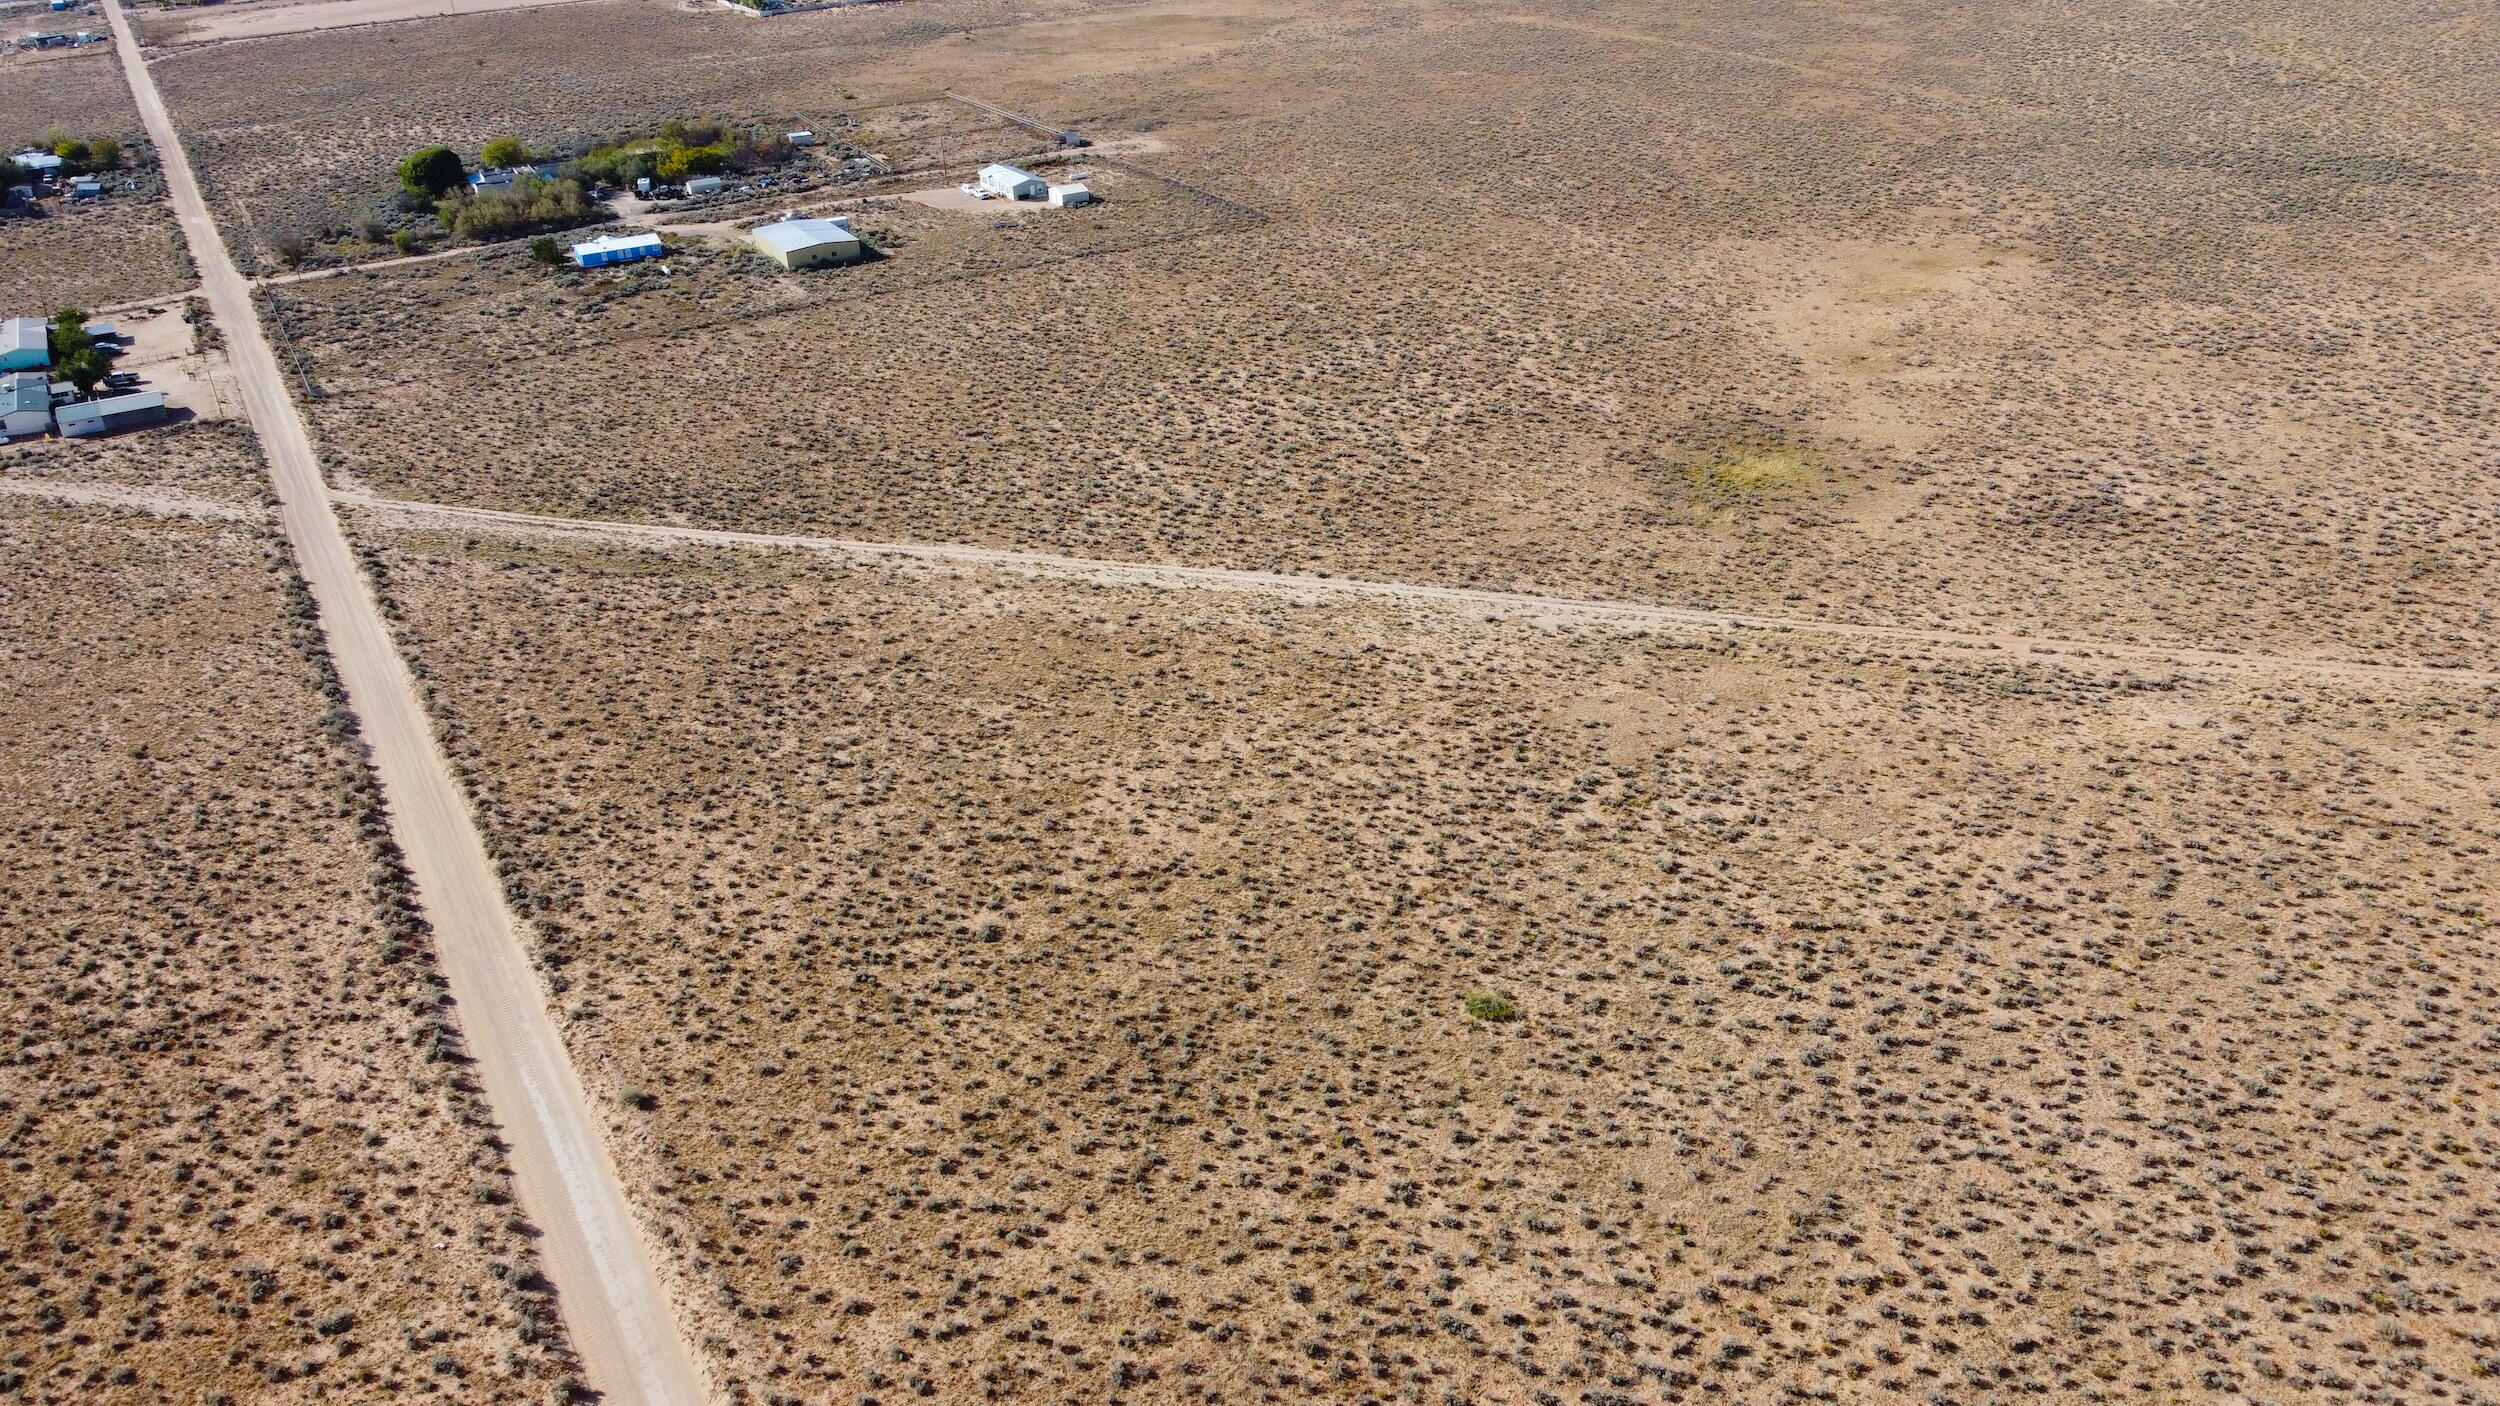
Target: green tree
point(103, 154)
point(504, 151)
point(544, 250)
point(69, 337)
point(432, 173)
point(685, 161)
point(84, 370)
point(71, 150)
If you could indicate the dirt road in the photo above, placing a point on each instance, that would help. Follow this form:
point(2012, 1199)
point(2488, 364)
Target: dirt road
point(164, 502)
point(2084, 654)
point(609, 1293)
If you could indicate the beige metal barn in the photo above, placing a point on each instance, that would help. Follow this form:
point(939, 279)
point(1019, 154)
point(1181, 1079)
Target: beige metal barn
point(807, 244)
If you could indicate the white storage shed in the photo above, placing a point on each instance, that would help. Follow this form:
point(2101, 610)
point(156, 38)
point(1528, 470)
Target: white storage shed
point(1012, 183)
point(1073, 193)
point(122, 412)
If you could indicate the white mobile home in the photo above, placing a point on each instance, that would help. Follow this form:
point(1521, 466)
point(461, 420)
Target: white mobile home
point(618, 249)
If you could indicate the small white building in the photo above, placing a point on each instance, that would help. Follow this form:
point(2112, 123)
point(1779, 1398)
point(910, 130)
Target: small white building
point(807, 244)
point(1073, 193)
point(41, 164)
point(705, 185)
point(121, 412)
point(25, 404)
point(1012, 183)
point(800, 138)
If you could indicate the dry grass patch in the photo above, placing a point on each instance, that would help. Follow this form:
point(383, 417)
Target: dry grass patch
point(244, 1160)
point(1011, 990)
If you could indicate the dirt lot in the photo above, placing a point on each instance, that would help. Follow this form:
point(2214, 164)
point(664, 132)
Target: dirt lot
point(1822, 321)
point(243, 1162)
point(1021, 991)
point(88, 254)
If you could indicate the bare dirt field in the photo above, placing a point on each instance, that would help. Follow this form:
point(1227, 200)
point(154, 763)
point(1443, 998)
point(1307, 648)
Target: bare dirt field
point(1014, 990)
point(196, 25)
point(111, 250)
point(243, 1161)
point(1921, 317)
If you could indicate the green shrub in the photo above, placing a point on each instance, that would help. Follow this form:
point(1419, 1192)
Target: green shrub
point(680, 150)
point(527, 206)
point(504, 151)
point(432, 173)
point(1492, 1006)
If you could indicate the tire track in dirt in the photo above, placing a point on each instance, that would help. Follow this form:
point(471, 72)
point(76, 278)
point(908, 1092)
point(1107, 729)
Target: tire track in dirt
point(1626, 614)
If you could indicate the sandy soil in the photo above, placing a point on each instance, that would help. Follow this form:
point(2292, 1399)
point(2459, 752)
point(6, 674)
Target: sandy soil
point(998, 980)
point(167, 355)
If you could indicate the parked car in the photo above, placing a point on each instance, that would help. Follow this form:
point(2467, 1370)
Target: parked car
point(122, 380)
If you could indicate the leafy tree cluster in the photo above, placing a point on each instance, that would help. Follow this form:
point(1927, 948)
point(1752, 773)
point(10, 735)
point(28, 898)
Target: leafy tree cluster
point(527, 205)
point(437, 179)
point(79, 155)
point(681, 149)
point(75, 356)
